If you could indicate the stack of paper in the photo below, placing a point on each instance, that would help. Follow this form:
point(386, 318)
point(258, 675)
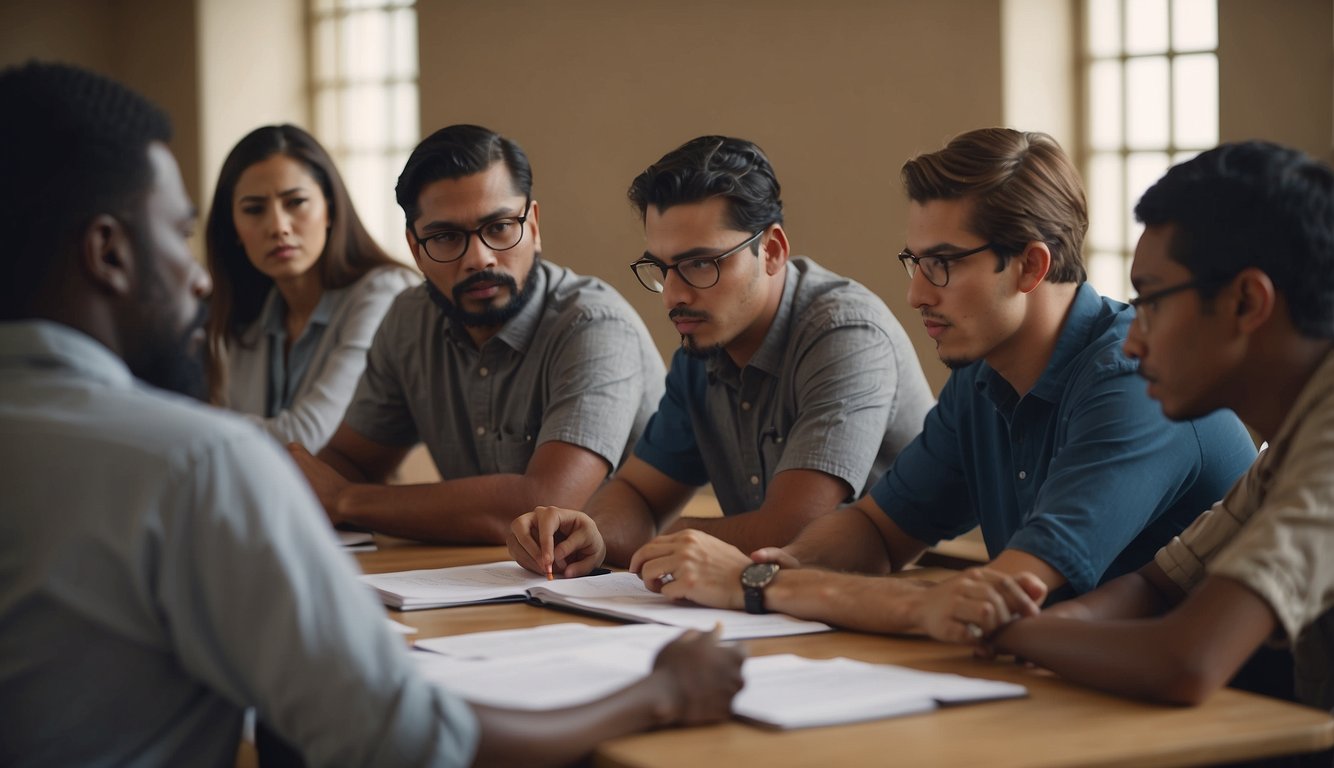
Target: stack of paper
point(356, 541)
point(563, 665)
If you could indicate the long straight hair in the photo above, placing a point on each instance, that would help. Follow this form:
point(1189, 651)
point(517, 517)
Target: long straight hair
point(239, 289)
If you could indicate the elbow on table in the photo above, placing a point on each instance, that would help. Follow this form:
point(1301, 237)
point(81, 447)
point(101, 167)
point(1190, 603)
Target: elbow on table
point(1188, 683)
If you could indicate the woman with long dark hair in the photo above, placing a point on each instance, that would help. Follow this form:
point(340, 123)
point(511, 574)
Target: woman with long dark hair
point(299, 287)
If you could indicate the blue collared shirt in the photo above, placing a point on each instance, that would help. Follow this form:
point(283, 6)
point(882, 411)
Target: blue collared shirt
point(1083, 472)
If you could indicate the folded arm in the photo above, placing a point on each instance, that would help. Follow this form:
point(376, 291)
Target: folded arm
point(348, 473)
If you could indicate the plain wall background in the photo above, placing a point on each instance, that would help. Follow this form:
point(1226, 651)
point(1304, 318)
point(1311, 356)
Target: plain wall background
point(838, 93)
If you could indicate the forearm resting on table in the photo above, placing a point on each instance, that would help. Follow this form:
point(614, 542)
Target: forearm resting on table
point(625, 519)
point(474, 510)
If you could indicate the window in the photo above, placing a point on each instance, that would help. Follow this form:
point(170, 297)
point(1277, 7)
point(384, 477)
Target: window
point(1151, 101)
point(365, 102)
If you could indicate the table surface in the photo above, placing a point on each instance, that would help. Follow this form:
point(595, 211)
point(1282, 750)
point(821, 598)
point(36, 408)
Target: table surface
point(1058, 724)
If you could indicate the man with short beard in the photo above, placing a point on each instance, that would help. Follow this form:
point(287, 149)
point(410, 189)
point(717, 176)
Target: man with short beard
point(527, 382)
point(794, 387)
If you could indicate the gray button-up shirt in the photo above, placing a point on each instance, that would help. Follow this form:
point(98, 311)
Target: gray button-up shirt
point(835, 387)
point(576, 365)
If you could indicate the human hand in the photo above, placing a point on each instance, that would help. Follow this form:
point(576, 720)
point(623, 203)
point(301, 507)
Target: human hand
point(692, 565)
point(778, 555)
point(969, 607)
point(323, 479)
point(702, 675)
point(565, 539)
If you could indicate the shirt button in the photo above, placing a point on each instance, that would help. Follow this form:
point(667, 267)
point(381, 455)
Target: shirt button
point(481, 431)
point(483, 372)
point(1022, 474)
point(778, 440)
point(745, 405)
point(754, 479)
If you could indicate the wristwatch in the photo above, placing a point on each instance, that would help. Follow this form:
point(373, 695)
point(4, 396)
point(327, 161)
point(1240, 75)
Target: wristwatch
point(754, 578)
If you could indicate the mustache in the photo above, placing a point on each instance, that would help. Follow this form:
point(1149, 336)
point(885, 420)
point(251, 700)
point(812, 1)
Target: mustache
point(932, 316)
point(691, 314)
point(483, 277)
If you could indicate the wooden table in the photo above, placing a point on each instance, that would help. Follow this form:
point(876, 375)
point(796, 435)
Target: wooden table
point(1059, 724)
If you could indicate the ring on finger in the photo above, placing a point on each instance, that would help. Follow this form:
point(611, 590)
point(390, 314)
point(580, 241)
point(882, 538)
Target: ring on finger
point(666, 578)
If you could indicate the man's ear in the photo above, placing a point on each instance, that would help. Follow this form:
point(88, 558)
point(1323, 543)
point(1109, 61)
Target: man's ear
point(106, 256)
point(775, 250)
point(1255, 299)
point(1034, 263)
point(532, 222)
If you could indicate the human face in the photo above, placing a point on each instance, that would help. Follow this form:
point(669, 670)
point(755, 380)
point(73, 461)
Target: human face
point(977, 313)
point(728, 315)
point(282, 217)
point(1176, 338)
point(486, 286)
point(167, 314)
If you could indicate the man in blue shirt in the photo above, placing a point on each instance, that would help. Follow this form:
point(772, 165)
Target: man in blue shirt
point(1043, 436)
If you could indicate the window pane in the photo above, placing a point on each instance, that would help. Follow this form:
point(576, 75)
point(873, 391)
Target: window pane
point(1146, 107)
point(1107, 206)
point(365, 46)
point(403, 116)
point(1103, 27)
point(327, 124)
point(403, 61)
point(1146, 26)
point(1105, 105)
point(1194, 25)
point(365, 113)
point(1195, 97)
point(325, 55)
point(1142, 170)
point(1108, 274)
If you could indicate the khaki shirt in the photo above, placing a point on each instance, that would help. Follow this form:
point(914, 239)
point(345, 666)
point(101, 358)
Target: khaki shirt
point(1274, 532)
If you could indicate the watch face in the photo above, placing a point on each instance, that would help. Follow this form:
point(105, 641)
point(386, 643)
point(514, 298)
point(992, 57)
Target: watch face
point(758, 574)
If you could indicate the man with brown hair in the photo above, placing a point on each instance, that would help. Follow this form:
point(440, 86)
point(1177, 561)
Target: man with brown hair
point(1042, 435)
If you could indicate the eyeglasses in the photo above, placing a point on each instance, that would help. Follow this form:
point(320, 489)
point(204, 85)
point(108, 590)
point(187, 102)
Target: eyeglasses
point(1145, 305)
point(698, 272)
point(936, 267)
point(448, 245)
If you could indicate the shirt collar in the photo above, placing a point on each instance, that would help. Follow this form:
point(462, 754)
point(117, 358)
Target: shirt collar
point(1317, 389)
point(273, 315)
point(769, 357)
point(45, 344)
point(1079, 326)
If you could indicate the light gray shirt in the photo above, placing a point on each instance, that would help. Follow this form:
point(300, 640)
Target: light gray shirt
point(163, 567)
point(834, 387)
point(575, 365)
point(302, 398)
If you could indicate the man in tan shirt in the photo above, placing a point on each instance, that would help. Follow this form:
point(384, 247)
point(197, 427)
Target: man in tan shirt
point(1235, 275)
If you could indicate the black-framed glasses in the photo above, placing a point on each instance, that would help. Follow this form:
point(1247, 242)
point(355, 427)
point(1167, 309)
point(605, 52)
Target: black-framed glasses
point(501, 234)
point(1146, 304)
point(698, 272)
point(935, 267)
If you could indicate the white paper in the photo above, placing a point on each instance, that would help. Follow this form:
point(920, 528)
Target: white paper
point(786, 691)
point(643, 640)
point(356, 541)
point(440, 587)
point(624, 595)
point(560, 678)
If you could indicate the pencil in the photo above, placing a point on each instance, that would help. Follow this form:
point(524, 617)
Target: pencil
point(549, 576)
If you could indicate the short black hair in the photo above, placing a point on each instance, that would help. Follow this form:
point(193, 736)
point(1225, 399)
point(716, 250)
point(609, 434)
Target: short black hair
point(456, 151)
point(75, 146)
point(1254, 204)
point(714, 166)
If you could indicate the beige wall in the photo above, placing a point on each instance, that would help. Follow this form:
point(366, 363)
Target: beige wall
point(1276, 66)
point(839, 94)
point(148, 44)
